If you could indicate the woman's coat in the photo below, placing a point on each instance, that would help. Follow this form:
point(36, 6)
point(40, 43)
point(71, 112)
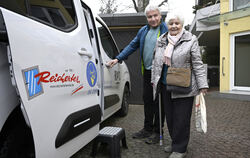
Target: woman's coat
point(186, 54)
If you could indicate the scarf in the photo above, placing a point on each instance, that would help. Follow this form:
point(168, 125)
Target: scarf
point(172, 40)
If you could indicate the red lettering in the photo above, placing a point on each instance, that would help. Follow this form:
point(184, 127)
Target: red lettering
point(43, 76)
point(52, 79)
point(77, 79)
point(59, 78)
point(63, 80)
point(73, 78)
point(67, 78)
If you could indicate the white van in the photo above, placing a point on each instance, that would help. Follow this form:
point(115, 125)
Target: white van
point(55, 87)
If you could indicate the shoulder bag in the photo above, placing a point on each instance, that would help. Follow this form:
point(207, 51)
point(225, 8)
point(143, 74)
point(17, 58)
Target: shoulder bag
point(179, 80)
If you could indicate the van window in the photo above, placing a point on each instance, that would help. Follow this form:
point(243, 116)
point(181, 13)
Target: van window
point(107, 41)
point(57, 17)
point(39, 13)
point(59, 13)
point(86, 20)
point(17, 6)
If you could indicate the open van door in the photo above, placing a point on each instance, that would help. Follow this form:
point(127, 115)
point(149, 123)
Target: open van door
point(113, 88)
point(56, 74)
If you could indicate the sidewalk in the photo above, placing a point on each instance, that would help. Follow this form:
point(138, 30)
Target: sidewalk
point(228, 133)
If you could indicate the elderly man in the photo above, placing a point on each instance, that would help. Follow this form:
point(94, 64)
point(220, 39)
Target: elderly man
point(145, 40)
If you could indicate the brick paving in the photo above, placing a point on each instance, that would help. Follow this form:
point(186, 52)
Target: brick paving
point(228, 134)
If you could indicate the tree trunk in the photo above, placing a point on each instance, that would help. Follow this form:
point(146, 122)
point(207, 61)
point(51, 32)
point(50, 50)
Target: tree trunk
point(142, 5)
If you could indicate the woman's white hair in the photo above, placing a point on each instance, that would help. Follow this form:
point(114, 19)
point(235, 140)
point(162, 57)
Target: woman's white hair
point(171, 16)
point(151, 7)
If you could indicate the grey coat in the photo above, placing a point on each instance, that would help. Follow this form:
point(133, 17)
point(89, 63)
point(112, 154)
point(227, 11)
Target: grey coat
point(186, 54)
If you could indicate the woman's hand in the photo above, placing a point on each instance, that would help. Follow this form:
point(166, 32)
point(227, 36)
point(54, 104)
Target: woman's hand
point(112, 63)
point(204, 91)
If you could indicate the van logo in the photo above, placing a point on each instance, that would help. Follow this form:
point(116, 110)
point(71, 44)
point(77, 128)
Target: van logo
point(91, 74)
point(33, 89)
point(46, 76)
point(34, 80)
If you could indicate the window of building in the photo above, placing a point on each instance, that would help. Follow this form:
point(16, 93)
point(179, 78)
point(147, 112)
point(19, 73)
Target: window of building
point(107, 41)
point(239, 4)
point(242, 56)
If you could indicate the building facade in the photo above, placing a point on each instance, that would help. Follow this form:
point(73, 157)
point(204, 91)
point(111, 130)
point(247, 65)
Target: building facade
point(235, 45)
point(226, 23)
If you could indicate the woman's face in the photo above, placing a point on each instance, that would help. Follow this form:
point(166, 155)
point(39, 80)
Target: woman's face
point(174, 26)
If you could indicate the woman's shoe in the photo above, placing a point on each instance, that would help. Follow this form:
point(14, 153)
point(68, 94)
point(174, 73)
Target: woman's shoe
point(142, 134)
point(177, 155)
point(168, 149)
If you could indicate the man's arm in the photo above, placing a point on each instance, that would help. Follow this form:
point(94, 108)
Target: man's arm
point(131, 47)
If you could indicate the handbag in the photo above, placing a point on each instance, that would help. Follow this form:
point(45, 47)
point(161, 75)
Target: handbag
point(179, 80)
point(200, 113)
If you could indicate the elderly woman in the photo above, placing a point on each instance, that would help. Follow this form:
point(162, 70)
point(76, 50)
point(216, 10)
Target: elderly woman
point(178, 48)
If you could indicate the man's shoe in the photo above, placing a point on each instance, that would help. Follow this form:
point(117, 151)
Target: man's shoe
point(142, 134)
point(168, 149)
point(177, 155)
point(153, 139)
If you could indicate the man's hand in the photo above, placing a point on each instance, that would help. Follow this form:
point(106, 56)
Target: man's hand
point(112, 63)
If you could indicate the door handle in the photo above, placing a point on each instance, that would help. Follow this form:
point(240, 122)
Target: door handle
point(223, 59)
point(83, 52)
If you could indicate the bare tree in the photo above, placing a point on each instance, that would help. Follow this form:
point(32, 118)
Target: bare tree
point(108, 6)
point(141, 4)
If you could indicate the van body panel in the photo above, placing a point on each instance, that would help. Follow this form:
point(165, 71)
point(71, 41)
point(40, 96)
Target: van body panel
point(54, 79)
point(63, 84)
point(8, 98)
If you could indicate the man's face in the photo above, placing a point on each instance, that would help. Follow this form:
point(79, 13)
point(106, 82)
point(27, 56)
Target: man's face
point(154, 18)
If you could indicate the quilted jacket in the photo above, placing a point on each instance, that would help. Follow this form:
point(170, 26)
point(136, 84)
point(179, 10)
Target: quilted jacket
point(186, 54)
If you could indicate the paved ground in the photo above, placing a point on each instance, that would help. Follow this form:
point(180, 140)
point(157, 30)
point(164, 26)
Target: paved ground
point(228, 133)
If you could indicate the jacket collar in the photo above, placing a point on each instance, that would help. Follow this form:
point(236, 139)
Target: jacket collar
point(187, 36)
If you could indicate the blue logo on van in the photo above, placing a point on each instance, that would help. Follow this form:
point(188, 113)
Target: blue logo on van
point(91, 74)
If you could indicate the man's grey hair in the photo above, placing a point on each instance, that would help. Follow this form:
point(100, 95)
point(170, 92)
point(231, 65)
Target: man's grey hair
point(174, 15)
point(151, 7)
